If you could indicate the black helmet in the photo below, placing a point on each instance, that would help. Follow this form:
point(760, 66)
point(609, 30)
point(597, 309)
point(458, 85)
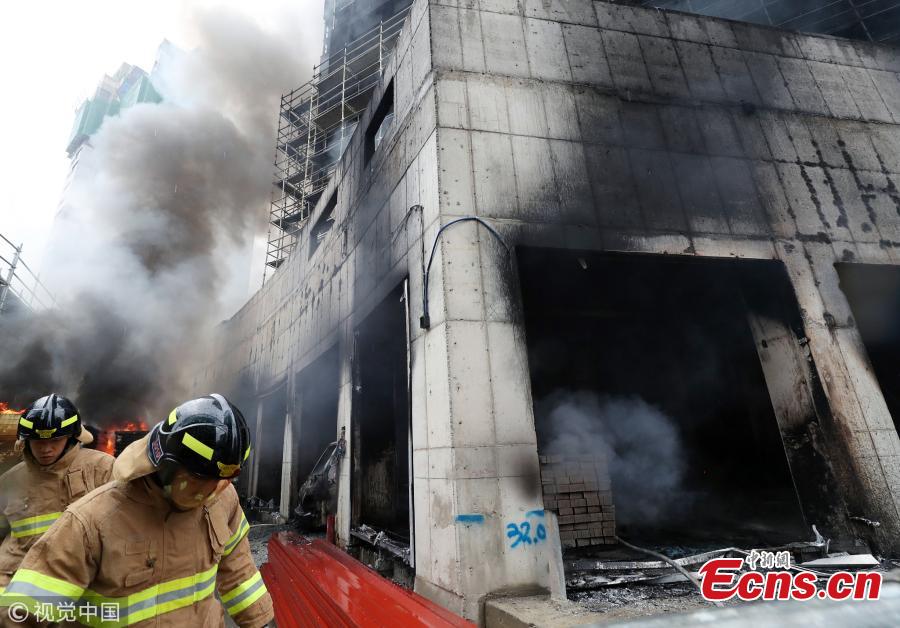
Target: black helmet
point(50, 417)
point(208, 436)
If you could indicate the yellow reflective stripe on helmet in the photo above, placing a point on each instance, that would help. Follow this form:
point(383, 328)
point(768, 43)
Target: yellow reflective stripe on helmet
point(172, 416)
point(244, 594)
point(69, 421)
point(156, 600)
point(247, 453)
point(242, 530)
point(26, 423)
point(33, 525)
point(201, 448)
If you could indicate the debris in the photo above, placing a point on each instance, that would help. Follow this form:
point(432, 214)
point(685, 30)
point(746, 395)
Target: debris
point(380, 539)
point(262, 511)
point(684, 572)
point(621, 565)
point(585, 574)
point(868, 522)
point(843, 560)
point(318, 494)
point(619, 603)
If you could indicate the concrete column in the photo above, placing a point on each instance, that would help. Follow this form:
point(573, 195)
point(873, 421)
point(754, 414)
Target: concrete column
point(345, 401)
point(257, 440)
point(864, 443)
point(287, 454)
point(477, 486)
point(786, 368)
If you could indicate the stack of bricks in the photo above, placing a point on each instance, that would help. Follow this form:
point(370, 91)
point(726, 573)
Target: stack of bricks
point(578, 489)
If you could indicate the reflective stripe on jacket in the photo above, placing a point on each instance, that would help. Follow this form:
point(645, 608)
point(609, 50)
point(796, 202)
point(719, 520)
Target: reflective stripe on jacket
point(124, 549)
point(33, 497)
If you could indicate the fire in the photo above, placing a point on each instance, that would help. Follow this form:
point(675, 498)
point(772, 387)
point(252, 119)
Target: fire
point(5, 409)
point(106, 440)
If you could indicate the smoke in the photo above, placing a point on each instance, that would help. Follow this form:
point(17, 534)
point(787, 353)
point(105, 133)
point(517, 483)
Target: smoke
point(153, 245)
point(641, 445)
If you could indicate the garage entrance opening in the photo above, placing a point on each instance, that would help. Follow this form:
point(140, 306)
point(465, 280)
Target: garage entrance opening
point(380, 443)
point(270, 446)
point(874, 295)
point(653, 416)
point(316, 391)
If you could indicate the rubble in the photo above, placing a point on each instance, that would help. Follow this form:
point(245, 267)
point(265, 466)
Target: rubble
point(618, 603)
point(264, 511)
point(844, 561)
point(258, 537)
point(382, 540)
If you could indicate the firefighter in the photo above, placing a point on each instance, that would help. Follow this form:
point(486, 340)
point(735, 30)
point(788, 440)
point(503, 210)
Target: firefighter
point(55, 472)
point(152, 547)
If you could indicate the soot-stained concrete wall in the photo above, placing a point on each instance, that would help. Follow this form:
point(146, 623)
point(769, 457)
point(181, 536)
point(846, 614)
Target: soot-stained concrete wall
point(588, 125)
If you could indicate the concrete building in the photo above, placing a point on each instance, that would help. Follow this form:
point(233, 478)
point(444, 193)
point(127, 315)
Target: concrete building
point(688, 245)
point(126, 87)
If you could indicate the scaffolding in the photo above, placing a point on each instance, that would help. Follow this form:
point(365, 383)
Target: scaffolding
point(19, 286)
point(315, 124)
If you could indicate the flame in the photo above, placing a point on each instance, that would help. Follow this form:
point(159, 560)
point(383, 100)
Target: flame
point(5, 409)
point(106, 443)
point(106, 440)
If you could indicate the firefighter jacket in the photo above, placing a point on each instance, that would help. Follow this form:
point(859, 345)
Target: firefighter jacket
point(32, 497)
point(123, 556)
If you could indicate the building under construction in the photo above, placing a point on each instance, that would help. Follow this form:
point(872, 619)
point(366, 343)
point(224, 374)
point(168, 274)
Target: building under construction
point(636, 268)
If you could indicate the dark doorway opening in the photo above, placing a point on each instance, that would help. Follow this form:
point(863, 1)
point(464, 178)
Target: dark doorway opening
point(648, 366)
point(242, 393)
point(874, 295)
point(315, 421)
point(380, 444)
point(270, 447)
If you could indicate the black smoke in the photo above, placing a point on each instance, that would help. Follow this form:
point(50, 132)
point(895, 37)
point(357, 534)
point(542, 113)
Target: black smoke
point(154, 246)
point(640, 444)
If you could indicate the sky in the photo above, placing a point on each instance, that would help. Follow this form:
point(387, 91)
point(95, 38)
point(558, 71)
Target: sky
point(52, 56)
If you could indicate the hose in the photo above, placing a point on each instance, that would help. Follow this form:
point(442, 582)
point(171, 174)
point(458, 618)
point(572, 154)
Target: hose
point(684, 572)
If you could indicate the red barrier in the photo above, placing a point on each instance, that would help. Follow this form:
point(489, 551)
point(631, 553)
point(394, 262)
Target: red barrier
point(314, 584)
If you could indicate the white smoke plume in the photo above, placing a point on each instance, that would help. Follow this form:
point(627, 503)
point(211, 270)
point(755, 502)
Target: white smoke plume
point(155, 248)
point(640, 443)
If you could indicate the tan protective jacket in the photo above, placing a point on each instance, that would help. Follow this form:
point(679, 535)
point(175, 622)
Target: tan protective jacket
point(32, 497)
point(125, 554)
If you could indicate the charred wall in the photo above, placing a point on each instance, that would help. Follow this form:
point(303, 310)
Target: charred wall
point(595, 126)
point(592, 127)
point(299, 328)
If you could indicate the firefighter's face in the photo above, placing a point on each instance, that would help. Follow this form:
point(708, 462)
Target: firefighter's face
point(47, 450)
point(189, 491)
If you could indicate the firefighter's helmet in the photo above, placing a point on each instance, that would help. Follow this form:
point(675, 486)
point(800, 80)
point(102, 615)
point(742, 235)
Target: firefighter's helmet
point(207, 436)
point(52, 416)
